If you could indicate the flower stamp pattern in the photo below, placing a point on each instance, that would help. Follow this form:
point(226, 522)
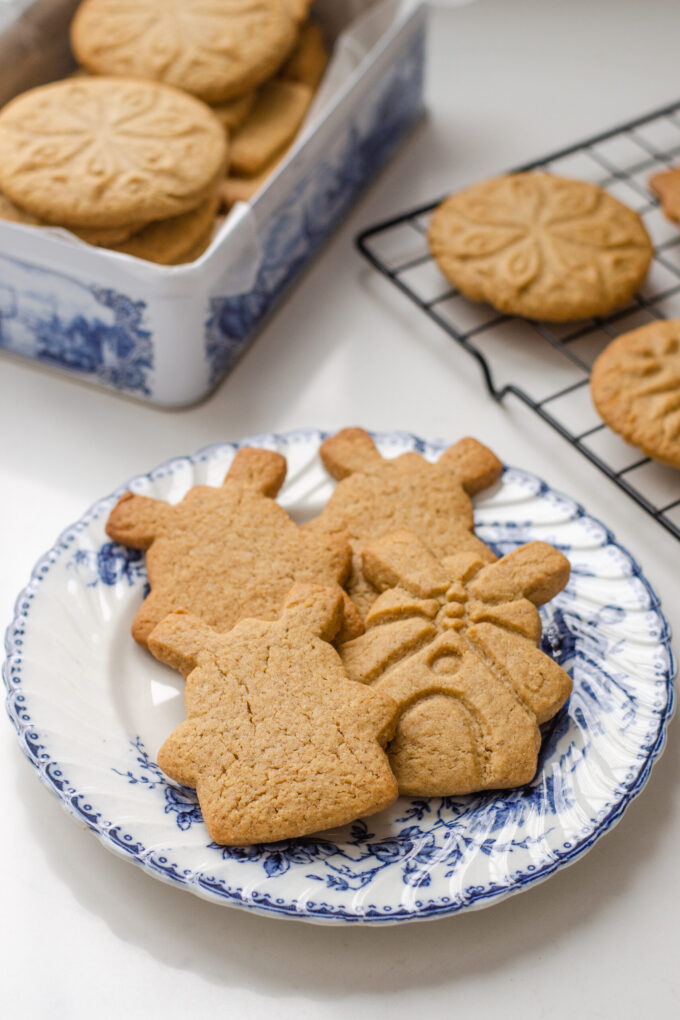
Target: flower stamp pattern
point(541, 246)
point(454, 643)
point(635, 385)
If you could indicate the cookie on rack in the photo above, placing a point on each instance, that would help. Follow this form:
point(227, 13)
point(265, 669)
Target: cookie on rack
point(541, 246)
point(278, 742)
point(226, 553)
point(109, 152)
point(376, 495)
point(666, 186)
point(214, 50)
point(635, 386)
point(454, 643)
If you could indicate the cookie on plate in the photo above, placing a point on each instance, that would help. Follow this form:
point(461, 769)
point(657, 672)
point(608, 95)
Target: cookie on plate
point(109, 152)
point(215, 50)
point(376, 495)
point(226, 553)
point(635, 386)
point(541, 246)
point(454, 643)
point(278, 742)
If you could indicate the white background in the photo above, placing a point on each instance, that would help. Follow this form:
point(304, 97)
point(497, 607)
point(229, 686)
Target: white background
point(85, 934)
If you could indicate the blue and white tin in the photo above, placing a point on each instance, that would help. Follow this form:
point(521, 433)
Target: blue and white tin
point(168, 335)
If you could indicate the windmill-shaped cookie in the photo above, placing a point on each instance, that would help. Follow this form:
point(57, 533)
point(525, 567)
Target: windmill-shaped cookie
point(377, 495)
point(278, 742)
point(454, 642)
point(229, 552)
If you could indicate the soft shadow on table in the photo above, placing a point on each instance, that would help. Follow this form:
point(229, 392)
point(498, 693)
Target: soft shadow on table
point(282, 958)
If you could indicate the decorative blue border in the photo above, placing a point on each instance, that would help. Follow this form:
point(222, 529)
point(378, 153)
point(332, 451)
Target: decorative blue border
point(56, 319)
point(123, 843)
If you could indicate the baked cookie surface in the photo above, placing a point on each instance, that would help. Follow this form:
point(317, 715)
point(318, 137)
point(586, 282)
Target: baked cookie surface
point(168, 242)
point(454, 643)
point(666, 185)
point(278, 742)
point(376, 495)
point(635, 386)
point(541, 246)
point(215, 49)
point(108, 152)
point(225, 553)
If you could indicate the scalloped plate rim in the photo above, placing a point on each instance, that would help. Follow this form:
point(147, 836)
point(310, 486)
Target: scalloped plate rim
point(218, 894)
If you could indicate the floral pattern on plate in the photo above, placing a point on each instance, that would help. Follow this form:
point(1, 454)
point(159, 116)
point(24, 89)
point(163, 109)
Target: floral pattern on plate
point(91, 709)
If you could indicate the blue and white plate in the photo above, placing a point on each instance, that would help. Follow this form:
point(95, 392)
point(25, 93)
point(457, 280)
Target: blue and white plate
point(91, 709)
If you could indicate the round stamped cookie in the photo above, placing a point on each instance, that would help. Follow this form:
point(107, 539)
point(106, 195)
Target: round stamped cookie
point(215, 49)
point(108, 152)
point(635, 385)
point(96, 235)
point(170, 241)
point(541, 246)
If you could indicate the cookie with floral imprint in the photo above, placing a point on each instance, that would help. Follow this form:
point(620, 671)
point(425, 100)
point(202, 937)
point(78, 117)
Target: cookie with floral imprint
point(227, 553)
point(109, 152)
point(278, 742)
point(635, 386)
point(215, 49)
point(454, 642)
point(541, 246)
point(376, 495)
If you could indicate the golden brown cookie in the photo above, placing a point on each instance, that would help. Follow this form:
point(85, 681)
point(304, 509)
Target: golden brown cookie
point(108, 152)
point(105, 235)
point(235, 111)
point(376, 495)
point(101, 235)
point(278, 742)
point(454, 643)
point(241, 189)
point(168, 242)
point(299, 9)
point(541, 246)
point(308, 60)
point(666, 185)
point(271, 126)
point(635, 386)
point(201, 245)
point(225, 553)
point(215, 49)
point(11, 212)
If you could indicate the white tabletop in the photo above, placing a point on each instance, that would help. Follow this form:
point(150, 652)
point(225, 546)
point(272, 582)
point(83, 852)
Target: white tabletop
point(85, 934)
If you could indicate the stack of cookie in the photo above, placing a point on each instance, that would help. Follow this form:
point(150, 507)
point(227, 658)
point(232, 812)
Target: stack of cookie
point(131, 165)
point(379, 649)
point(177, 110)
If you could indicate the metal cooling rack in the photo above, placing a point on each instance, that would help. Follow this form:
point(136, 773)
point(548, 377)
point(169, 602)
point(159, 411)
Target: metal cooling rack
point(554, 360)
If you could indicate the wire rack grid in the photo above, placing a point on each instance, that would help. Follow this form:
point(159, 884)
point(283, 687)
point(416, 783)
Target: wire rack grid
point(554, 360)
